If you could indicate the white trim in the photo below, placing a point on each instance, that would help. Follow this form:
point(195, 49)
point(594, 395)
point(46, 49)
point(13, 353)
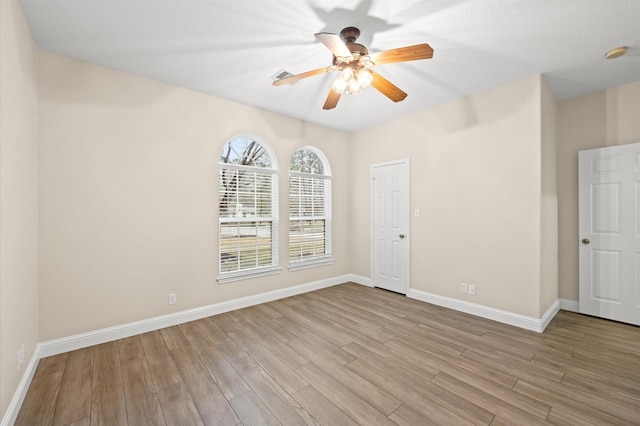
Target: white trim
point(246, 274)
point(548, 315)
point(13, 409)
point(505, 317)
point(310, 263)
point(570, 305)
point(256, 169)
point(70, 343)
point(359, 279)
point(309, 175)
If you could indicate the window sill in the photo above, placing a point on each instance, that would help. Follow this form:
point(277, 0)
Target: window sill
point(306, 264)
point(245, 275)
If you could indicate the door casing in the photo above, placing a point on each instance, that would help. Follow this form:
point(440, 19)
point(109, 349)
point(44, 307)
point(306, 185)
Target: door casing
point(405, 267)
point(609, 232)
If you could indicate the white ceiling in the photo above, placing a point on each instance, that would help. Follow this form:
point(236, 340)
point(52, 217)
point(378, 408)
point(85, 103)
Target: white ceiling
point(231, 48)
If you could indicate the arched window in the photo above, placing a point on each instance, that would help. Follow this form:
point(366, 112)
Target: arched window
point(248, 196)
point(309, 209)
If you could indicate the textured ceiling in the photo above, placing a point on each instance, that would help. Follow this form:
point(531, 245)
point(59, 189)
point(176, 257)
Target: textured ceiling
point(230, 49)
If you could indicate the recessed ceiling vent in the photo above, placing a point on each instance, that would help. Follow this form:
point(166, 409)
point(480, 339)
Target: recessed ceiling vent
point(281, 74)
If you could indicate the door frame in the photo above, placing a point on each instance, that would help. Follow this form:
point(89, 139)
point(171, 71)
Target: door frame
point(585, 266)
point(406, 163)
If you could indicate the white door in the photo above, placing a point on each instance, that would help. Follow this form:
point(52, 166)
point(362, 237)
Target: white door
point(390, 233)
point(609, 196)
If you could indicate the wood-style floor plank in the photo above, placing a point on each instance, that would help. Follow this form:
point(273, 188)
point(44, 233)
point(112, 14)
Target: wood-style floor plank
point(598, 402)
point(283, 406)
point(40, 402)
point(252, 411)
point(107, 398)
point(225, 344)
point(405, 416)
point(213, 407)
point(358, 409)
point(370, 393)
point(422, 403)
point(141, 399)
point(484, 399)
point(347, 355)
point(177, 405)
point(228, 380)
point(254, 331)
point(321, 408)
point(74, 401)
point(272, 364)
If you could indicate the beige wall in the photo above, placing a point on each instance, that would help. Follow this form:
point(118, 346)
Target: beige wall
point(128, 196)
point(475, 176)
point(606, 118)
point(549, 200)
point(18, 197)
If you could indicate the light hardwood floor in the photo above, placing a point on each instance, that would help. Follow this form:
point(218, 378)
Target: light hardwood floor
point(347, 355)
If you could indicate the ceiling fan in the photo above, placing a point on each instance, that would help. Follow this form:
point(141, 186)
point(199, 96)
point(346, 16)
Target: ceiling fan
point(354, 63)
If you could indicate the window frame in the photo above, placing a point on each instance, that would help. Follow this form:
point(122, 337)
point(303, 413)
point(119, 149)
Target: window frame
point(326, 179)
point(272, 172)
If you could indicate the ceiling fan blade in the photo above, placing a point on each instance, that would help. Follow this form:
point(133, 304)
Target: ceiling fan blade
point(403, 54)
point(294, 78)
point(387, 88)
point(332, 99)
point(335, 44)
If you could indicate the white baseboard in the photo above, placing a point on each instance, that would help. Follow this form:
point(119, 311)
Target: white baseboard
point(570, 305)
point(359, 279)
point(505, 317)
point(78, 341)
point(548, 316)
point(13, 409)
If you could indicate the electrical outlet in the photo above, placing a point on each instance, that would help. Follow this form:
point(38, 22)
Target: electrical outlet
point(172, 298)
point(463, 288)
point(472, 289)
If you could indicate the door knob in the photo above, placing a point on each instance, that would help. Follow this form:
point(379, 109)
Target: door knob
point(585, 241)
point(401, 236)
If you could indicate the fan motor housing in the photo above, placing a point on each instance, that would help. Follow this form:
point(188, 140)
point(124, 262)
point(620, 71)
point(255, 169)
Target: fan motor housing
point(357, 48)
point(349, 34)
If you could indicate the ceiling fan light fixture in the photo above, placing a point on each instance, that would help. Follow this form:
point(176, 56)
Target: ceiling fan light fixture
point(340, 85)
point(347, 74)
point(354, 87)
point(364, 77)
point(365, 61)
point(352, 81)
point(353, 62)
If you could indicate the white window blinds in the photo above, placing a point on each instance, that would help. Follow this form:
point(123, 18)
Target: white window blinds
point(309, 210)
point(248, 213)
